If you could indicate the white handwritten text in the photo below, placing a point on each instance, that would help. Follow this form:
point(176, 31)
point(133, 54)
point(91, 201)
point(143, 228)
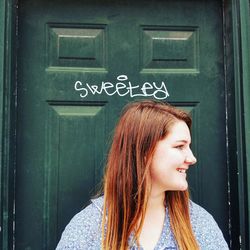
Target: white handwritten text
point(122, 88)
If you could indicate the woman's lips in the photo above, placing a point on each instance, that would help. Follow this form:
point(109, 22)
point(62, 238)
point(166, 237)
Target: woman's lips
point(182, 170)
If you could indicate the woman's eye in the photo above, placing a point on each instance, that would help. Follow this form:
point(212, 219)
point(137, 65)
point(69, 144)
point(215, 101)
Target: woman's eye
point(180, 147)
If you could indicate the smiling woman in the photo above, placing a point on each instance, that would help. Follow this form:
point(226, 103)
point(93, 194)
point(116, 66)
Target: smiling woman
point(146, 202)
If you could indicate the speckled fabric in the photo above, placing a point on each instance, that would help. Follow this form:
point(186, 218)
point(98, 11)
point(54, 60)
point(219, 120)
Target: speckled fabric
point(84, 230)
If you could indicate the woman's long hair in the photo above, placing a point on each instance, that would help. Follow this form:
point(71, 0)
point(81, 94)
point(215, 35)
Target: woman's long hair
point(127, 179)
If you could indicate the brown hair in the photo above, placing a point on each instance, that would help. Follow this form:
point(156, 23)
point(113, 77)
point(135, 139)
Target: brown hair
point(126, 182)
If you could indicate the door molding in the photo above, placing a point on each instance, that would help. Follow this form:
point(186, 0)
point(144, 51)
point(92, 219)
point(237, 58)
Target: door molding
point(237, 76)
point(7, 121)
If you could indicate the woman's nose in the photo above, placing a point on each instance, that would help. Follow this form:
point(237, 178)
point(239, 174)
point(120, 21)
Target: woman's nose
point(190, 159)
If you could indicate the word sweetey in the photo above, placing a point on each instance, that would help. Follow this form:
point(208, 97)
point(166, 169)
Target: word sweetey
point(122, 88)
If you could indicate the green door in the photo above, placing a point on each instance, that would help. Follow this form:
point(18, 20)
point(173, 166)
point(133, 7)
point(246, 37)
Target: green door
point(79, 63)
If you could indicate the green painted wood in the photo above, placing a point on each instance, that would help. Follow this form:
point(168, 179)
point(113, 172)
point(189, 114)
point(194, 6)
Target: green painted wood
point(245, 100)
point(245, 36)
point(7, 131)
point(237, 149)
point(231, 72)
point(2, 43)
point(62, 137)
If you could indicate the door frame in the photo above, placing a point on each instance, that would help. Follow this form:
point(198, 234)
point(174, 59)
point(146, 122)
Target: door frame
point(236, 24)
point(7, 121)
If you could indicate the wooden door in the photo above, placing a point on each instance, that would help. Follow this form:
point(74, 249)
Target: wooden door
point(79, 63)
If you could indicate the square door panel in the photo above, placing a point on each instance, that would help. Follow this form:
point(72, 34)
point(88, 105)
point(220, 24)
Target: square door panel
point(169, 49)
point(79, 46)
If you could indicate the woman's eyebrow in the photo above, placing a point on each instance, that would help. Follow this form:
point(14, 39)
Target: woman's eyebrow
point(184, 141)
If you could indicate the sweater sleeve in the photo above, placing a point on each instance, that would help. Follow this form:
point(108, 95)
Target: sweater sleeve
point(83, 231)
point(206, 230)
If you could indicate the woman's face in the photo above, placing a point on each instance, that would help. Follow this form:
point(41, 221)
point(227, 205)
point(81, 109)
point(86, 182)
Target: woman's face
point(171, 160)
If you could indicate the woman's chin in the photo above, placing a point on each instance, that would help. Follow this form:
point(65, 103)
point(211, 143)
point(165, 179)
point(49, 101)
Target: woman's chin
point(183, 186)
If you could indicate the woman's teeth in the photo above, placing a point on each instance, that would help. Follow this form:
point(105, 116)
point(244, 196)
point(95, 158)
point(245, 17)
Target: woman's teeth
point(182, 170)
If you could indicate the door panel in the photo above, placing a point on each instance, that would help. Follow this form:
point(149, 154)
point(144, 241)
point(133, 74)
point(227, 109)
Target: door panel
point(64, 127)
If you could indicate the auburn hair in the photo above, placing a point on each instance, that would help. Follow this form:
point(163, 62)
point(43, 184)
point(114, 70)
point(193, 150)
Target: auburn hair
point(126, 181)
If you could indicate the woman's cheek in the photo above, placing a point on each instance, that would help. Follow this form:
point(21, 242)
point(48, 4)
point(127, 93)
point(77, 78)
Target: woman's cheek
point(177, 156)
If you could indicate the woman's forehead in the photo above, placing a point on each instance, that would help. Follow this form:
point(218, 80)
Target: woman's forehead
point(179, 132)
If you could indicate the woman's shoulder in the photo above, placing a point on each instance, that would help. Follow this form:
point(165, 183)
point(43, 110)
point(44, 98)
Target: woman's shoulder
point(206, 229)
point(84, 229)
point(197, 211)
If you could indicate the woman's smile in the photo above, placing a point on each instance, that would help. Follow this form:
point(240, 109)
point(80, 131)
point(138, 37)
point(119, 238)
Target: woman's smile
point(181, 170)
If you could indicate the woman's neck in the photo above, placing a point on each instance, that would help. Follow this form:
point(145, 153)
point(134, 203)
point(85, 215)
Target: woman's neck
point(153, 222)
point(155, 202)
